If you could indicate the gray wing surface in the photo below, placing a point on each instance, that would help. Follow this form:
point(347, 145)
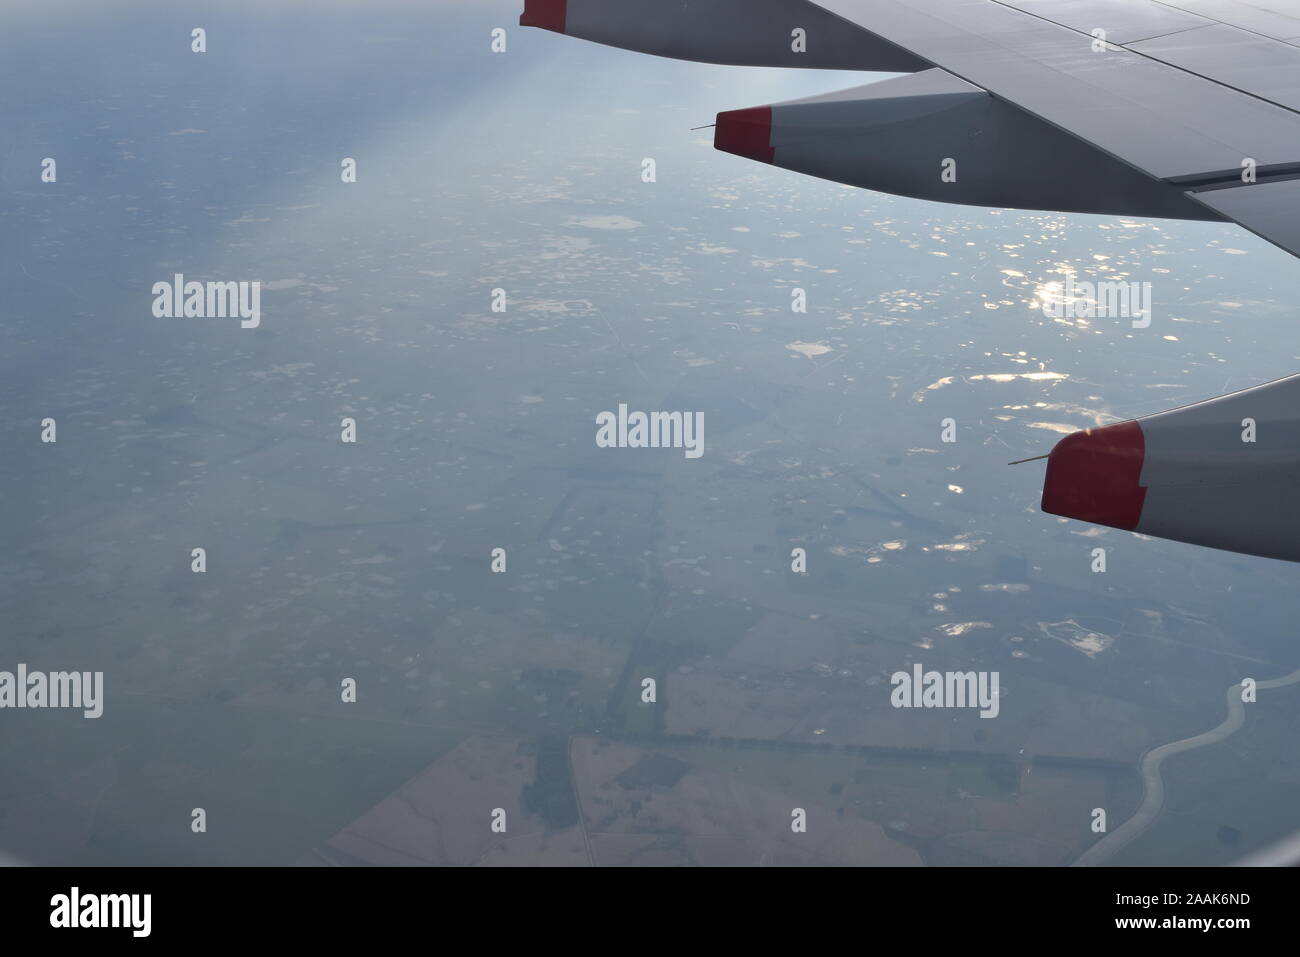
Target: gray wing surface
point(1192, 94)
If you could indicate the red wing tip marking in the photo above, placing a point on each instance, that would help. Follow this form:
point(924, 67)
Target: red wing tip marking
point(746, 133)
point(547, 14)
point(1093, 476)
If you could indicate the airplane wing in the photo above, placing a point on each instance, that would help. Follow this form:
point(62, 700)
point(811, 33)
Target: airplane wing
point(1186, 109)
point(1190, 94)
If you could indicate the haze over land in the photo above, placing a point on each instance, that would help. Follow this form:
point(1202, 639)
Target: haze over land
point(521, 691)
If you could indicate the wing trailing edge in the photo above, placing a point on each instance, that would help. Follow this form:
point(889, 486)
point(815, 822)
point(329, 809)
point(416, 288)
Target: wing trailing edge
point(1268, 208)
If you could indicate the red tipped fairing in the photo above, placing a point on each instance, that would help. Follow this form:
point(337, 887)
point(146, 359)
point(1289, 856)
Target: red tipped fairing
point(746, 133)
point(547, 14)
point(1224, 473)
point(1093, 476)
point(932, 135)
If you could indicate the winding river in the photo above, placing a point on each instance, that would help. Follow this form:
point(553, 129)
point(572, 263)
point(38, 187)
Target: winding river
point(1153, 785)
